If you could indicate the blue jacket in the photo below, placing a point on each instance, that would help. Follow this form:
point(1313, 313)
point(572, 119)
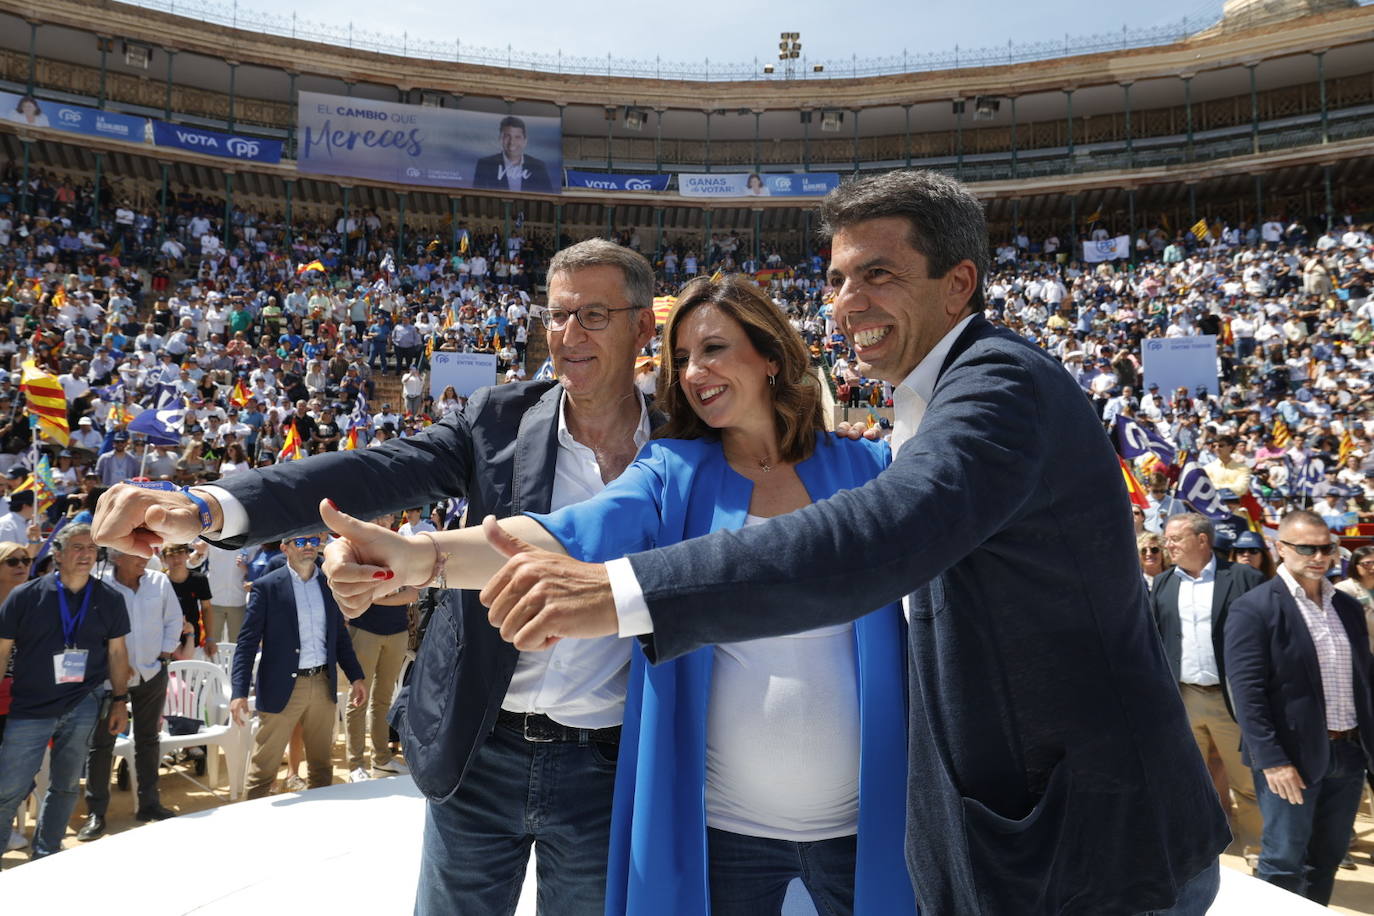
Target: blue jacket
point(658, 862)
point(1052, 769)
point(270, 622)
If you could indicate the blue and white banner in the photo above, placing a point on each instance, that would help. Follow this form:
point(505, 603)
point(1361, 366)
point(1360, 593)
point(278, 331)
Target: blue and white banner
point(437, 147)
point(76, 119)
point(466, 372)
point(162, 427)
point(1107, 249)
point(215, 143)
point(1181, 362)
point(1135, 440)
point(609, 181)
point(756, 184)
point(1197, 490)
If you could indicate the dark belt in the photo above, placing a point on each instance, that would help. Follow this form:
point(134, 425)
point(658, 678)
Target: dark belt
point(1350, 734)
point(311, 672)
point(540, 728)
point(1208, 687)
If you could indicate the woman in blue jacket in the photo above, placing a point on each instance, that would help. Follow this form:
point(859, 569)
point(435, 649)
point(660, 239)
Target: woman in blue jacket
point(742, 766)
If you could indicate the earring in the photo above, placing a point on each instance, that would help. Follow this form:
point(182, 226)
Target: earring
point(773, 380)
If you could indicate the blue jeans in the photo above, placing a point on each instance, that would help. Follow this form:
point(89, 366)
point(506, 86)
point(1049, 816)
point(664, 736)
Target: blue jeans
point(749, 874)
point(1195, 897)
point(514, 794)
point(1303, 844)
point(21, 756)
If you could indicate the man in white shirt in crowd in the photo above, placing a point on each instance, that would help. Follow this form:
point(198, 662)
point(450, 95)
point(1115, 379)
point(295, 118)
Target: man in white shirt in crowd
point(18, 526)
point(154, 632)
point(227, 571)
point(415, 524)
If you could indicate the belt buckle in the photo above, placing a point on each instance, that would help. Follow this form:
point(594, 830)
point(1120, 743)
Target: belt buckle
point(525, 729)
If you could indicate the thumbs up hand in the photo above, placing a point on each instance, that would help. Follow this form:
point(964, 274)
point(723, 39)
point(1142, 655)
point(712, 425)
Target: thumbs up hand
point(366, 561)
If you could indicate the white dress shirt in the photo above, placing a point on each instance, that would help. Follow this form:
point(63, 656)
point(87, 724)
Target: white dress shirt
point(154, 620)
point(1198, 661)
point(579, 682)
point(1333, 652)
point(909, 400)
point(310, 618)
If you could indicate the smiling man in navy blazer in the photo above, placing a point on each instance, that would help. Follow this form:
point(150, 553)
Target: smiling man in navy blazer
point(1051, 765)
point(293, 617)
point(1298, 662)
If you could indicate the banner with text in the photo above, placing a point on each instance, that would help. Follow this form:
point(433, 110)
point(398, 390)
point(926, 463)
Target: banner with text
point(1107, 249)
point(216, 143)
point(1181, 362)
point(466, 372)
point(417, 145)
point(608, 181)
point(76, 119)
point(754, 184)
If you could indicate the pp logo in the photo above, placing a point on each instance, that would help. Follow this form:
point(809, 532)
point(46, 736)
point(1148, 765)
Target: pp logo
point(412, 172)
point(784, 184)
point(244, 149)
point(1154, 346)
point(70, 116)
point(638, 184)
point(441, 359)
point(1106, 246)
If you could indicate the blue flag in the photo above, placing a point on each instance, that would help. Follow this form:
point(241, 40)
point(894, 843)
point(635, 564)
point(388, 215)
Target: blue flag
point(545, 373)
point(1134, 439)
point(162, 427)
point(1197, 490)
point(1303, 476)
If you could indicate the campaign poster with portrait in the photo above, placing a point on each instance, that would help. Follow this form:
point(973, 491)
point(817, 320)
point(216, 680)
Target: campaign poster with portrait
point(418, 145)
point(29, 111)
point(757, 184)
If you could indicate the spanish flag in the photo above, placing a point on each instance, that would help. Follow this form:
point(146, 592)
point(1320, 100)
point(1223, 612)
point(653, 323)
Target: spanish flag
point(1280, 432)
point(291, 445)
point(351, 440)
point(313, 265)
point(45, 402)
point(1133, 488)
point(59, 297)
point(239, 396)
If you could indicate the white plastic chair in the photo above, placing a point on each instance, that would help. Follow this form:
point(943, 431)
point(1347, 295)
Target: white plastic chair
point(200, 690)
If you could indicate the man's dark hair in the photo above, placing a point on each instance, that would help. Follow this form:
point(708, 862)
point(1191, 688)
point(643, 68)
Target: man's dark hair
point(947, 221)
point(513, 121)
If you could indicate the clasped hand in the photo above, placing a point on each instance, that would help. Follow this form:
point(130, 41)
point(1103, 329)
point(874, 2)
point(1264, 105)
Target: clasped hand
point(366, 562)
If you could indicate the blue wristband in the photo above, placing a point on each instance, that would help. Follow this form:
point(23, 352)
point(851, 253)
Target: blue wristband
point(207, 520)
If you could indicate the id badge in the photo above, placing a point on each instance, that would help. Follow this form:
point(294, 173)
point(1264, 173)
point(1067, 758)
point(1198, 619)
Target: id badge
point(69, 666)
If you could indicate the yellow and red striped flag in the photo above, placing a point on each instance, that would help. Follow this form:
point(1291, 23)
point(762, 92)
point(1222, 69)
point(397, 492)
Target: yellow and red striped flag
point(1133, 488)
point(1347, 446)
point(290, 445)
point(313, 265)
point(239, 396)
point(1280, 432)
point(45, 401)
point(59, 297)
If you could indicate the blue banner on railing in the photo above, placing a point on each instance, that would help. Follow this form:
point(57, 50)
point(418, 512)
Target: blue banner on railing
point(612, 181)
point(216, 143)
point(419, 145)
point(755, 184)
point(76, 119)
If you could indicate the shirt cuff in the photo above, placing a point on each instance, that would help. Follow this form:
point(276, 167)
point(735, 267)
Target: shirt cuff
point(234, 516)
point(630, 607)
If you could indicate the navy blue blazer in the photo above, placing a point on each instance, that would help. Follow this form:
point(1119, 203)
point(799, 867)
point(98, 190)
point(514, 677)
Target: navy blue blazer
point(270, 622)
point(1276, 685)
point(1232, 581)
point(500, 453)
point(1052, 769)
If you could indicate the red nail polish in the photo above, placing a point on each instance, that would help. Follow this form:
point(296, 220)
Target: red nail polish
point(383, 574)
point(333, 505)
point(391, 574)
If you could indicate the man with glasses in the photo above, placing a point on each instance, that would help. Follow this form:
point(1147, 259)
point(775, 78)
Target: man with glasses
point(293, 618)
point(483, 728)
point(69, 628)
point(1190, 603)
point(1299, 668)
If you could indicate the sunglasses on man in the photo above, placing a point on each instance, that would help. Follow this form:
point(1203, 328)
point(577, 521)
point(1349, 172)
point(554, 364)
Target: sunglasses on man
point(1307, 550)
point(306, 542)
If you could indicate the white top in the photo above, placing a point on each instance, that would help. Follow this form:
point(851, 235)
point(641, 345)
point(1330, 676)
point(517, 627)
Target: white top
point(310, 618)
point(226, 577)
point(154, 620)
point(579, 682)
point(782, 735)
point(1198, 661)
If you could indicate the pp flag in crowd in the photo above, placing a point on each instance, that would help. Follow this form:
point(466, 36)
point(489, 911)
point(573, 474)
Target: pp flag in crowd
point(45, 402)
point(1197, 490)
point(1304, 475)
point(1133, 488)
point(545, 373)
point(162, 427)
point(1134, 439)
point(1115, 249)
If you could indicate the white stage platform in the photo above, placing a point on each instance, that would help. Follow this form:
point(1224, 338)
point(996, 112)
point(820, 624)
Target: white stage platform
point(347, 848)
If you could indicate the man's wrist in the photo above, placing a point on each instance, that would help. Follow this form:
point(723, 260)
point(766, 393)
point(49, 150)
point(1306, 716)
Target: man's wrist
point(212, 504)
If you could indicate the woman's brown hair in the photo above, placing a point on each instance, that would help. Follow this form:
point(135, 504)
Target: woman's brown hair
point(796, 393)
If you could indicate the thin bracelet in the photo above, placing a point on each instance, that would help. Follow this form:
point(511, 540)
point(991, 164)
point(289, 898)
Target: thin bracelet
point(437, 580)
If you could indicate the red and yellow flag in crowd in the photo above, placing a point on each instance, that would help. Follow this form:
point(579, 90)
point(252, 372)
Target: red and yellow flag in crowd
point(290, 445)
point(1347, 446)
point(45, 402)
point(59, 297)
point(1280, 432)
point(119, 415)
point(313, 265)
point(351, 440)
point(1133, 488)
point(239, 396)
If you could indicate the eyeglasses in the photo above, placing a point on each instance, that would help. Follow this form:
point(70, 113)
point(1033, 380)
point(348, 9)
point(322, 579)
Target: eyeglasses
point(1308, 550)
point(591, 317)
point(1365, 564)
point(1149, 551)
point(1243, 551)
point(175, 551)
point(306, 542)
point(16, 562)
